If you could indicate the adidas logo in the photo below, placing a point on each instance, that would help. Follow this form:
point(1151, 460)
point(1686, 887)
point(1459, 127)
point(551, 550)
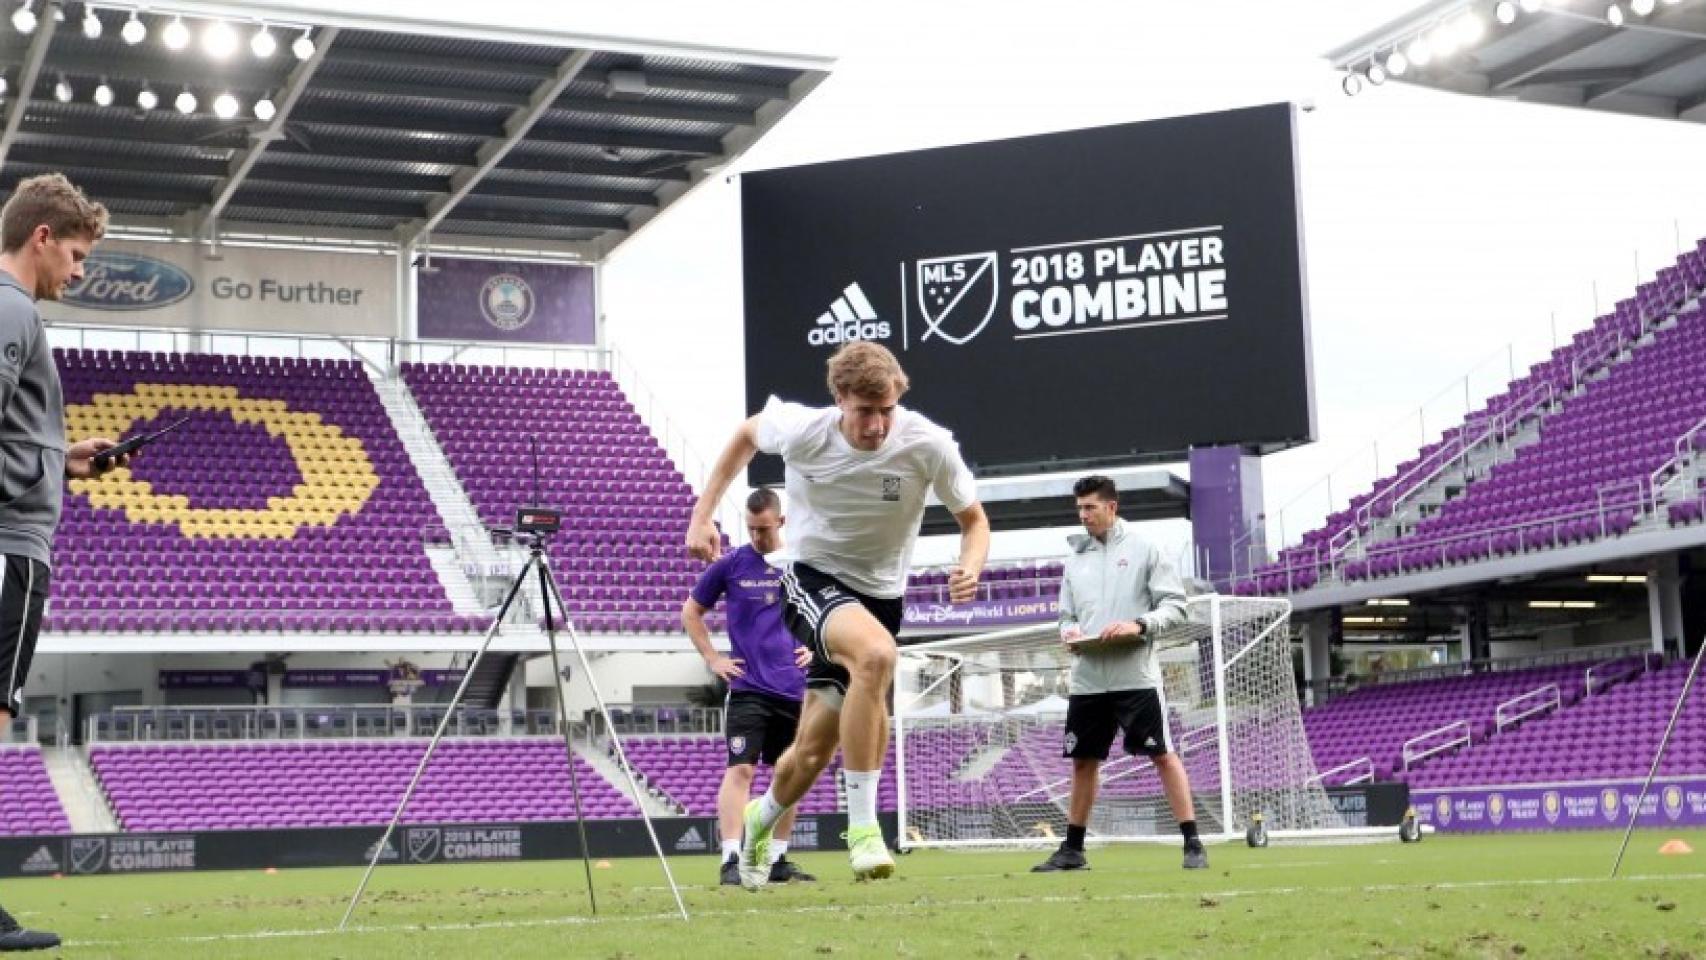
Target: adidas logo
point(692, 840)
point(42, 861)
point(1150, 743)
point(851, 317)
point(389, 854)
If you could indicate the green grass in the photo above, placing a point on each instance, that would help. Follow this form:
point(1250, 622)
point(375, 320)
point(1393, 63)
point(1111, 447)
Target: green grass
point(1537, 896)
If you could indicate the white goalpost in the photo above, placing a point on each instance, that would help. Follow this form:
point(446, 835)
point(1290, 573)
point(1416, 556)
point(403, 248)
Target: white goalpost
point(979, 723)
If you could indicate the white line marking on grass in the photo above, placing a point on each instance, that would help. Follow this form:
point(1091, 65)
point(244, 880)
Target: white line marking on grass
point(920, 902)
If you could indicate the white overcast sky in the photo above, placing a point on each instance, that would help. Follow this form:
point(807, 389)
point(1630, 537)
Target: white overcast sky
point(1442, 233)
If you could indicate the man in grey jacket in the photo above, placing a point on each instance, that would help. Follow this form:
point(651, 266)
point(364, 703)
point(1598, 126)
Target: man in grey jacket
point(46, 231)
point(1117, 595)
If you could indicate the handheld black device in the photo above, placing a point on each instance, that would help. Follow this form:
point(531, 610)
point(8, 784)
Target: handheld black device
point(107, 456)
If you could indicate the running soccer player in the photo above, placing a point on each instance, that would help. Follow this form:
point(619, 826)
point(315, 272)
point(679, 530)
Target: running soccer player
point(857, 476)
point(765, 674)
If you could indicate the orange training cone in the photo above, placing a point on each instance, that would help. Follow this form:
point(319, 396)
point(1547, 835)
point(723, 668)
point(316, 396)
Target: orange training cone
point(1675, 848)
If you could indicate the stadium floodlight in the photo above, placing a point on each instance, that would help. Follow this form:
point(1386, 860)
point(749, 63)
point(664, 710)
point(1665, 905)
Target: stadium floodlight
point(91, 23)
point(134, 30)
point(1505, 12)
point(1442, 41)
point(62, 90)
point(176, 36)
point(303, 46)
point(186, 102)
point(3, 85)
point(1641, 8)
point(146, 98)
point(24, 19)
point(1532, 6)
point(104, 93)
point(1397, 64)
point(265, 109)
point(1614, 14)
point(1470, 28)
point(225, 106)
point(219, 40)
point(1351, 84)
point(263, 44)
point(1376, 73)
point(1420, 52)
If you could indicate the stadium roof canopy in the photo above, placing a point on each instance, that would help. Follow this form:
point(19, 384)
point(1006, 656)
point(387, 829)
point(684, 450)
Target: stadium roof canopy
point(1564, 52)
point(395, 134)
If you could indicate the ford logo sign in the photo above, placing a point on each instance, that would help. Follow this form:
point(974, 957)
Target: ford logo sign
point(128, 281)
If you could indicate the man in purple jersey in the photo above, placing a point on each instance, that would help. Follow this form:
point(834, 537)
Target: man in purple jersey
point(765, 672)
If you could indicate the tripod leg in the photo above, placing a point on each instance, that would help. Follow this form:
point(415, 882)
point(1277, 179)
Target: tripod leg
point(621, 754)
point(443, 724)
point(1664, 742)
point(545, 596)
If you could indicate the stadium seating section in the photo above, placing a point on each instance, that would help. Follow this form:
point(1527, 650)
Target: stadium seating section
point(31, 807)
point(308, 784)
point(1611, 404)
point(286, 502)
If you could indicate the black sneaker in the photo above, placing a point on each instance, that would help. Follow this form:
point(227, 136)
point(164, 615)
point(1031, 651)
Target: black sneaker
point(1196, 858)
point(1064, 858)
point(731, 873)
point(787, 871)
point(16, 938)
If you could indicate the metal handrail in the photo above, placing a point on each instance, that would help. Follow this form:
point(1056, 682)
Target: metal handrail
point(1466, 740)
point(1503, 719)
point(1365, 777)
point(1629, 668)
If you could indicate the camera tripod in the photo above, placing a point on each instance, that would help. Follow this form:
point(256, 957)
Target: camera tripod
point(538, 561)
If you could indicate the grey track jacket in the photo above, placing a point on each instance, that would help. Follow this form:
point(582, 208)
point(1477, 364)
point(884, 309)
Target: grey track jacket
point(32, 428)
point(1123, 579)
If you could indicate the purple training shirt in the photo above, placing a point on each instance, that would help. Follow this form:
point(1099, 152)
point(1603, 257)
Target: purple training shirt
point(754, 589)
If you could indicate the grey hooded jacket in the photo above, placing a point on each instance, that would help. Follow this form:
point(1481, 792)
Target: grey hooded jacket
point(1124, 578)
point(32, 428)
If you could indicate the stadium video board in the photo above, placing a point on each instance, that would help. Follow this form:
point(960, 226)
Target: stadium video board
point(1089, 297)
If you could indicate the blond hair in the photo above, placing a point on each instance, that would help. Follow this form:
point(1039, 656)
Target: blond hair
point(52, 200)
point(866, 370)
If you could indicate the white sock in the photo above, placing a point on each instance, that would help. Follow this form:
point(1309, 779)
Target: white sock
point(769, 811)
point(731, 848)
point(862, 797)
point(778, 850)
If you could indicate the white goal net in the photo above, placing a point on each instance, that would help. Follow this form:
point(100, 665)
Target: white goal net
point(979, 722)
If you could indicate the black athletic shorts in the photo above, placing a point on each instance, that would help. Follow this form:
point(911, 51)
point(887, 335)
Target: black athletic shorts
point(1092, 718)
point(23, 591)
point(811, 595)
point(758, 726)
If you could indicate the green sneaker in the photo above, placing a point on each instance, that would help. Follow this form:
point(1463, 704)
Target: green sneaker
point(754, 848)
point(868, 853)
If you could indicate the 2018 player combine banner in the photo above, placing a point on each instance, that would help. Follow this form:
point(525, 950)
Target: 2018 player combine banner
point(1079, 297)
point(1581, 806)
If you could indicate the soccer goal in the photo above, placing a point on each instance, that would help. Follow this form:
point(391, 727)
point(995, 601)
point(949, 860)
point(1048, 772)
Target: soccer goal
point(979, 722)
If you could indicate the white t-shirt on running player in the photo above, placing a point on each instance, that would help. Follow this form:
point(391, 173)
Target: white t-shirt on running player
point(854, 514)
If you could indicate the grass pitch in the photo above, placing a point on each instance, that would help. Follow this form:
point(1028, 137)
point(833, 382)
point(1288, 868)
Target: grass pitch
point(1536, 896)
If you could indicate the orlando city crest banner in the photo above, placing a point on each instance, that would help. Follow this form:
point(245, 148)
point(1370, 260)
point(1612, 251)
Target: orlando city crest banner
point(513, 302)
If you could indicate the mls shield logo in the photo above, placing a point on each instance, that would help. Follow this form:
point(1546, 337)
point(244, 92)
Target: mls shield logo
point(891, 489)
point(423, 844)
point(957, 295)
point(88, 855)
